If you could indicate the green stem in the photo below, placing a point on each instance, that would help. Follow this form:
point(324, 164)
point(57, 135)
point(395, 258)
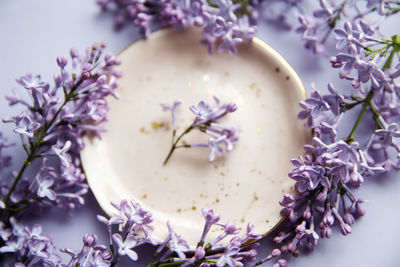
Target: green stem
point(175, 145)
point(350, 138)
point(27, 162)
point(349, 106)
point(38, 143)
point(389, 60)
point(375, 114)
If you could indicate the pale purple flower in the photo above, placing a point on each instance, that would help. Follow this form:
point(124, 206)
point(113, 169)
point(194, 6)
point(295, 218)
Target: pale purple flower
point(125, 246)
point(27, 127)
point(62, 62)
point(44, 184)
point(215, 147)
point(61, 153)
point(229, 229)
point(172, 107)
point(210, 219)
point(203, 112)
point(334, 99)
point(228, 257)
point(388, 134)
point(347, 36)
point(176, 243)
point(32, 82)
point(198, 255)
point(117, 219)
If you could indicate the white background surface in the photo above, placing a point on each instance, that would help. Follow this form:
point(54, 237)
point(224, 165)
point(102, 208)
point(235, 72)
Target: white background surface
point(34, 33)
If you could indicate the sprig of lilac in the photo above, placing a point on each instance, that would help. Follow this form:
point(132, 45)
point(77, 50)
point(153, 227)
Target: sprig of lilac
point(206, 121)
point(325, 178)
point(128, 229)
point(55, 118)
point(225, 23)
point(28, 246)
point(227, 249)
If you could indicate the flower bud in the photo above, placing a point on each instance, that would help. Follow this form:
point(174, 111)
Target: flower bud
point(90, 240)
point(62, 62)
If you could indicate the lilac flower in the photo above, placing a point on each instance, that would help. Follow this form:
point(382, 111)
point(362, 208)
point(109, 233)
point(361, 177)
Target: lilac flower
point(32, 82)
point(62, 62)
point(176, 243)
point(206, 121)
point(117, 219)
point(347, 36)
point(388, 134)
point(210, 219)
point(334, 99)
point(60, 152)
point(26, 127)
point(203, 113)
point(223, 22)
point(53, 123)
point(172, 108)
point(29, 246)
point(44, 190)
point(124, 246)
point(215, 149)
point(91, 253)
point(229, 229)
point(198, 255)
point(233, 253)
point(228, 257)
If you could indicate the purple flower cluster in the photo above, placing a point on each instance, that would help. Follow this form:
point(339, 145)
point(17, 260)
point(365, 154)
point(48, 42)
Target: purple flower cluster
point(372, 67)
point(27, 245)
point(318, 25)
point(225, 23)
point(55, 118)
point(326, 176)
point(130, 228)
point(237, 251)
point(206, 121)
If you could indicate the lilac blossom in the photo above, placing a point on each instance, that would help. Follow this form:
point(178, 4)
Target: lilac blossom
point(54, 126)
point(172, 108)
point(206, 120)
point(26, 127)
point(130, 228)
point(124, 246)
point(225, 24)
point(327, 175)
point(236, 251)
point(28, 246)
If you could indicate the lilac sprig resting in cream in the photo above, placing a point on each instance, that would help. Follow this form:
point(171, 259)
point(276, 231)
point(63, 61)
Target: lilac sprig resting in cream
point(206, 121)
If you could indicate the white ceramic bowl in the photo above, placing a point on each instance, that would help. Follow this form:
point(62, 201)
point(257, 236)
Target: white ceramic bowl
point(244, 186)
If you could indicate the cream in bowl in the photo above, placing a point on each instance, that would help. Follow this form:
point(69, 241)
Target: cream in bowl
point(245, 186)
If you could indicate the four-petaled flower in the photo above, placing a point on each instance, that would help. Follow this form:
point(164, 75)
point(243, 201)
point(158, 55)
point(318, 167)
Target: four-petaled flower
point(61, 153)
point(124, 246)
point(26, 126)
point(44, 187)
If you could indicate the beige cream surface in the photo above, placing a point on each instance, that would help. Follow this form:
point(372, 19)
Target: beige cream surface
point(244, 186)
